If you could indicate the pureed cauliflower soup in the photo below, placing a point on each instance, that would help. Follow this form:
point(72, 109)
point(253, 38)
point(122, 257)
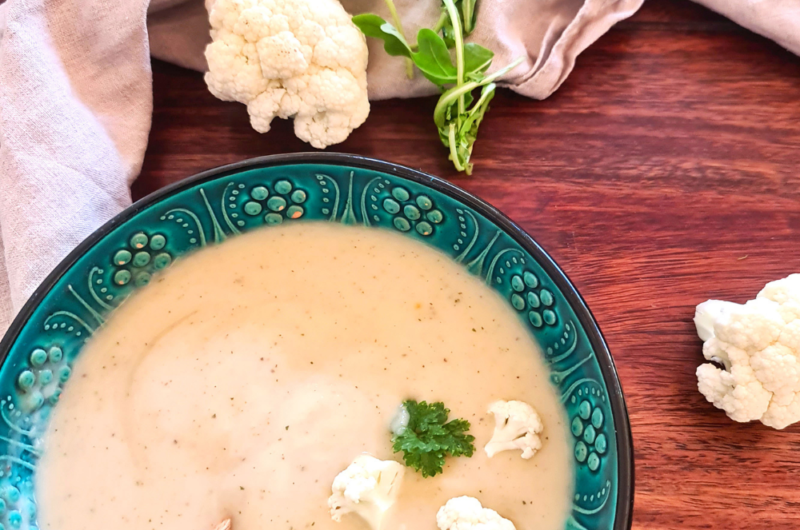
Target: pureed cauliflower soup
point(244, 379)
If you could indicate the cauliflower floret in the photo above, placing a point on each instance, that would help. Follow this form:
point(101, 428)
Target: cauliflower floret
point(757, 344)
point(301, 59)
point(517, 426)
point(467, 513)
point(282, 56)
point(368, 487)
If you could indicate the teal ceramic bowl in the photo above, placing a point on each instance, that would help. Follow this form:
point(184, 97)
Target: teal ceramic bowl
point(207, 209)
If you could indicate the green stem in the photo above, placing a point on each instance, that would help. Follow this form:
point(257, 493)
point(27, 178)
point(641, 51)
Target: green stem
point(466, 6)
point(449, 97)
point(481, 100)
point(440, 23)
point(399, 25)
point(453, 150)
point(455, 19)
point(477, 107)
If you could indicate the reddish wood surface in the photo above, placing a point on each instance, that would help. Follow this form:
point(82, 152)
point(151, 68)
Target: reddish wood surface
point(665, 171)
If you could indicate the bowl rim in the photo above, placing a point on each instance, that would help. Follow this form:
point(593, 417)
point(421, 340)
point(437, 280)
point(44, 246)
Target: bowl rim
point(625, 463)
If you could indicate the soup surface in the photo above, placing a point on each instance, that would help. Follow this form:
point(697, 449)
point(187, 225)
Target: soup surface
point(242, 380)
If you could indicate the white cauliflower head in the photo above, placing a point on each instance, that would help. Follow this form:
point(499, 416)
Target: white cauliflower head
point(517, 426)
point(290, 58)
point(467, 513)
point(368, 487)
point(758, 346)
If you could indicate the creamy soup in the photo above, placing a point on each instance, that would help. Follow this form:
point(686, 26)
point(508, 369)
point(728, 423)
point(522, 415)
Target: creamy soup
point(242, 380)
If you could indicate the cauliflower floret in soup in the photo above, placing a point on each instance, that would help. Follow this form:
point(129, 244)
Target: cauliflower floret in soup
point(368, 487)
point(517, 426)
point(467, 513)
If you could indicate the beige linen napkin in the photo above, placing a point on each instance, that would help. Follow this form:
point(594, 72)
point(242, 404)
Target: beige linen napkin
point(548, 33)
point(778, 20)
point(75, 106)
point(76, 101)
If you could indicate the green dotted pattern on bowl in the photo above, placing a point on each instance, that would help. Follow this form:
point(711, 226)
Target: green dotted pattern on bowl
point(38, 364)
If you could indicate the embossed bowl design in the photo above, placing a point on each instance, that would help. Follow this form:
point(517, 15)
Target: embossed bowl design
point(123, 255)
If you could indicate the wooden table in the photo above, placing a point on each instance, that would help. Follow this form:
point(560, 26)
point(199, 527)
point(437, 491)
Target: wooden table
point(664, 172)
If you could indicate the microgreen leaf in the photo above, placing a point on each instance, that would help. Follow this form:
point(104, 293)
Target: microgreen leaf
point(374, 26)
point(477, 59)
point(433, 58)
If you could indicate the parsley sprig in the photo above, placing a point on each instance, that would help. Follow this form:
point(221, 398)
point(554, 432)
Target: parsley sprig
point(429, 437)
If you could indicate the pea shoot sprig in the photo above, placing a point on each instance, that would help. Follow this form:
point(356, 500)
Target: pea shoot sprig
point(458, 113)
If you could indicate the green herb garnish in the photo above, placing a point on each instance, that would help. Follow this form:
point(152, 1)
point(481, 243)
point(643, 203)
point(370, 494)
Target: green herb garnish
point(429, 437)
point(458, 114)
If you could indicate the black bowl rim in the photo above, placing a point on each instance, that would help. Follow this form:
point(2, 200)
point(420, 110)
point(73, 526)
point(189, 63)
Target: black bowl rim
point(625, 487)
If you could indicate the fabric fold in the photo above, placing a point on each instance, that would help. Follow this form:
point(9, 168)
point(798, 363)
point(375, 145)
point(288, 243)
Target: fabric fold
point(75, 109)
point(777, 20)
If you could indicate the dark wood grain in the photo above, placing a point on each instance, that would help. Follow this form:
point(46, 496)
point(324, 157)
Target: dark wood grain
point(665, 171)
